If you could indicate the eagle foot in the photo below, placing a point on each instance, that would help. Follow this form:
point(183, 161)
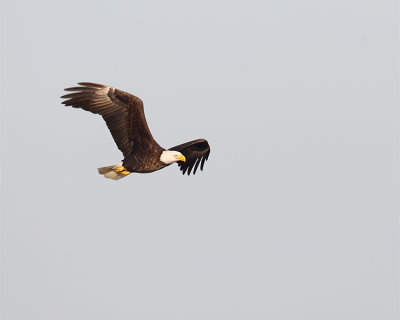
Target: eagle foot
point(119, 169)
point(122, 170)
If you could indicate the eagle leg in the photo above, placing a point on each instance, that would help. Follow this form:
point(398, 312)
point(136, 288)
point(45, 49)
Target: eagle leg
point(122, 170)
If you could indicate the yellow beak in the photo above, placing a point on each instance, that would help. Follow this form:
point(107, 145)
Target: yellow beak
point(182, 158)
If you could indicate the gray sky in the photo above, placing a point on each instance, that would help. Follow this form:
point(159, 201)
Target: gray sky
point(296, 213)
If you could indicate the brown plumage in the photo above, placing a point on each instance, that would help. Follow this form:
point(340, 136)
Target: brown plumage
point(196, 153)
point(124, 116)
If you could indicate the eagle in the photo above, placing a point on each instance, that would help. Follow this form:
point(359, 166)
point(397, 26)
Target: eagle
point(124, 116)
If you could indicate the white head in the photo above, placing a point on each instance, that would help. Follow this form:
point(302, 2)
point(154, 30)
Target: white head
point(168, 156)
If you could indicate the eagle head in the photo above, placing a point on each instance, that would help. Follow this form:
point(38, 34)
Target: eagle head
point(169, 156)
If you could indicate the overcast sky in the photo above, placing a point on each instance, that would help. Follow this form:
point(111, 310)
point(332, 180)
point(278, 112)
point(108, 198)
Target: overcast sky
point(296, 213)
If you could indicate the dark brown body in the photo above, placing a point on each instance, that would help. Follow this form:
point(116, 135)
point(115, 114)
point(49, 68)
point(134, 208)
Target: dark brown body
point(145, 161)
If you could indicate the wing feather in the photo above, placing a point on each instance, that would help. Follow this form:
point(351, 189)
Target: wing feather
point(122, 112)
point(196, 153)
point(91, 84)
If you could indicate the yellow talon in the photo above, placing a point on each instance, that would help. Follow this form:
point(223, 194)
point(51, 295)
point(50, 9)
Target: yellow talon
point(122, 170)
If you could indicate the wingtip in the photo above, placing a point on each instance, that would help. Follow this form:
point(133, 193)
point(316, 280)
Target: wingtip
point(92, 84)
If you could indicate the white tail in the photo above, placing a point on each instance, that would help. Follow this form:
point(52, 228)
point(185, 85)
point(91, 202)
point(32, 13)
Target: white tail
point(110, 173)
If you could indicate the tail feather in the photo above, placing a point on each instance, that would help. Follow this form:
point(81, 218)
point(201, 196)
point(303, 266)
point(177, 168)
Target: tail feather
point(110, 173)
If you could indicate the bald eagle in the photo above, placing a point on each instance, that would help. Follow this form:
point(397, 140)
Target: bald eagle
point(124, 116)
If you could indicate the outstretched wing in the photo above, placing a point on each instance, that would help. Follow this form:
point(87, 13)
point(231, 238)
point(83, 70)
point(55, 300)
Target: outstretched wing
point(122, 112)
point(196, 153)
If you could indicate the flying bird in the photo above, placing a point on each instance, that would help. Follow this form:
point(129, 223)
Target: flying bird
point(124, 116)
